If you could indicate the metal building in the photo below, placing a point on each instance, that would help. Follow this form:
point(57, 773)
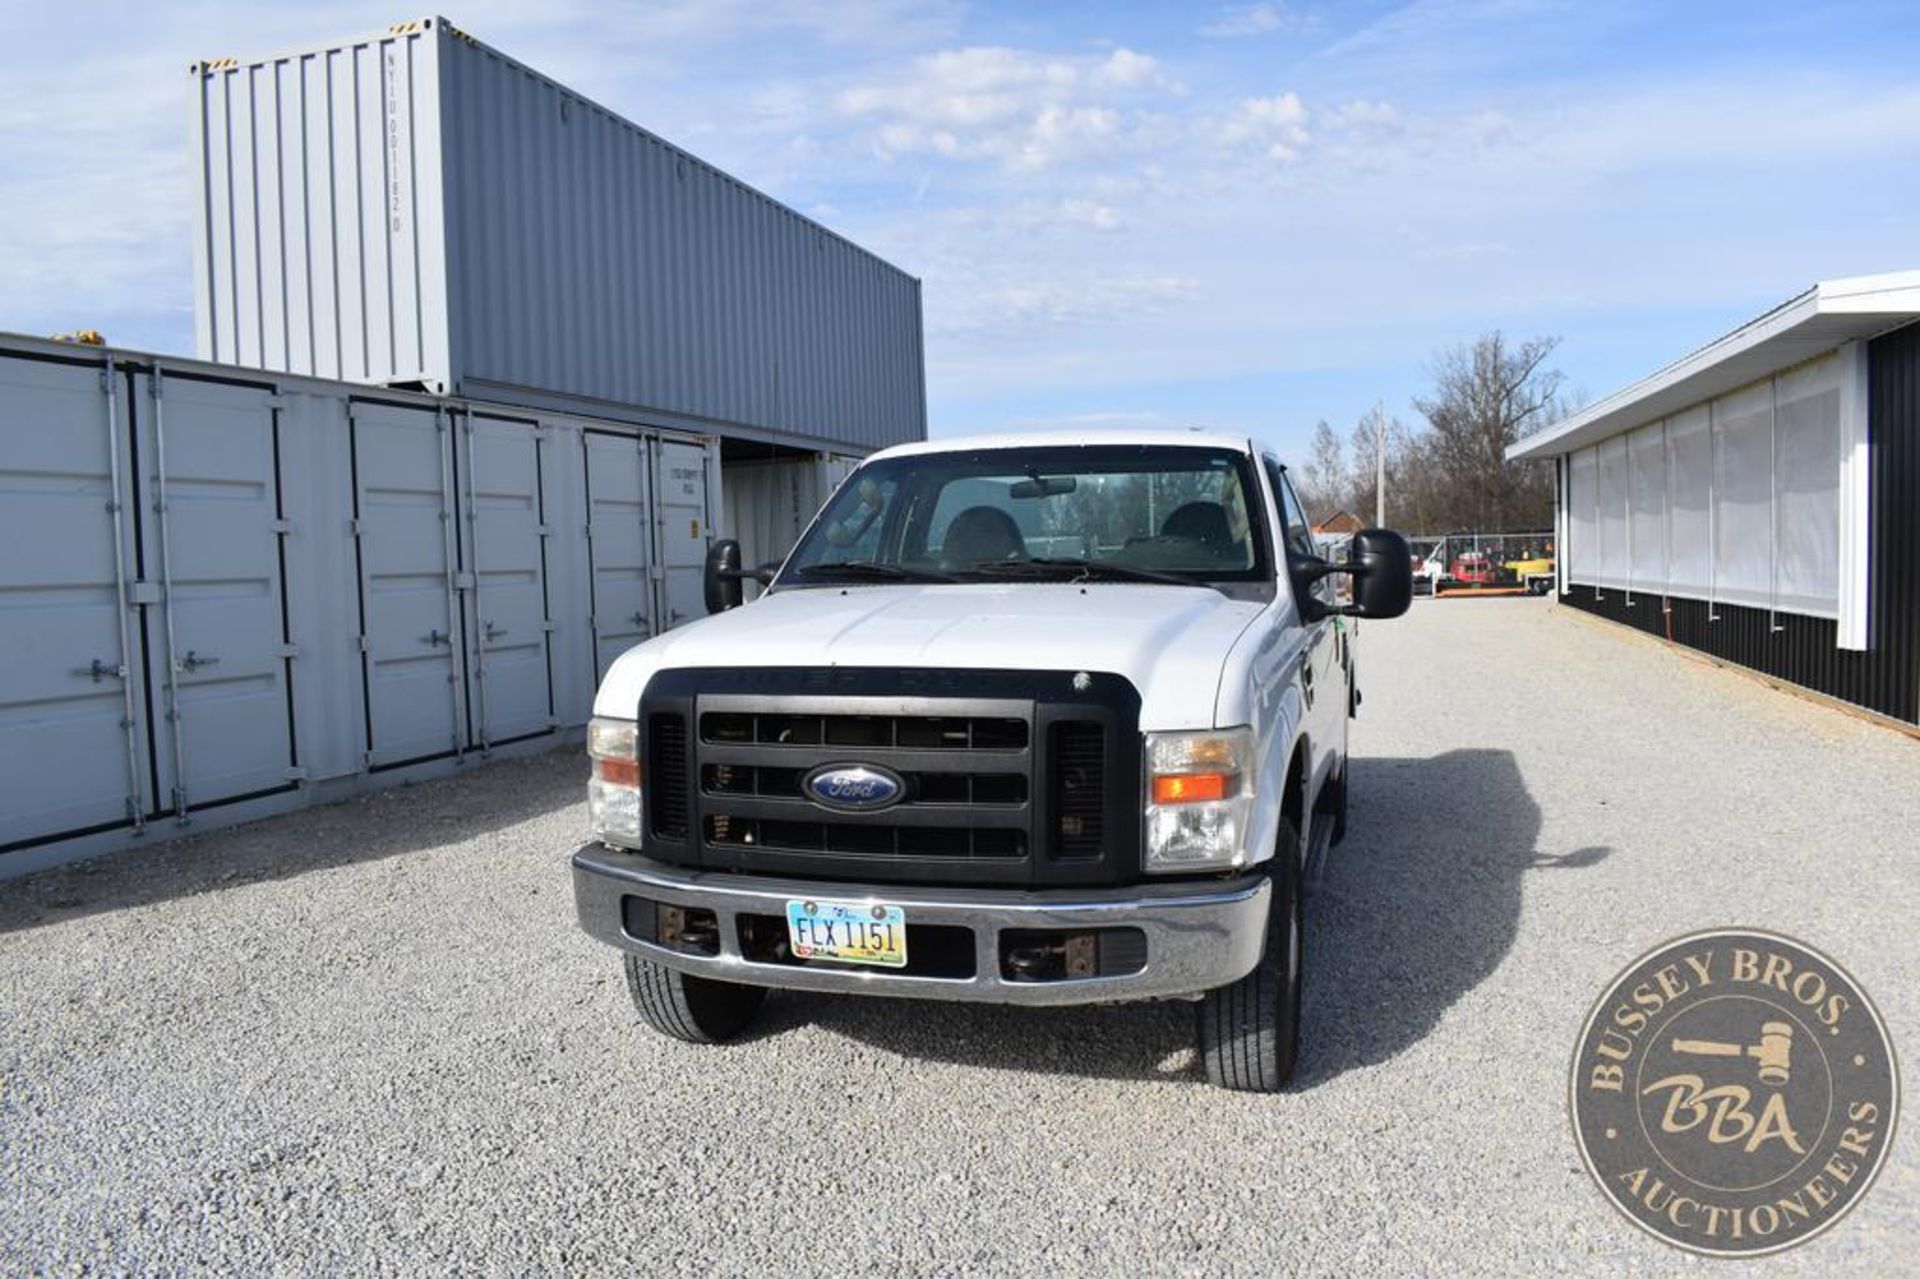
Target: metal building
point(1759, 498)
point(417, 209)
point(232, 593)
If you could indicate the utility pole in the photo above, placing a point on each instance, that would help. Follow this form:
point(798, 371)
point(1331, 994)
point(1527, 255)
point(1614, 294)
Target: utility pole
point(1379, 464)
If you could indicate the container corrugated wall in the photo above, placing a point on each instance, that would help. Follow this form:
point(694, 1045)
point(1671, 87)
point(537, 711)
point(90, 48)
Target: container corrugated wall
point(768, 504)
point(317, 246)
point(417, 207)
point(1803, 650)
point(252, 591)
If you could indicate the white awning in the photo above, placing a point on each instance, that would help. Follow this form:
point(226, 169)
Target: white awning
point(1826, 316)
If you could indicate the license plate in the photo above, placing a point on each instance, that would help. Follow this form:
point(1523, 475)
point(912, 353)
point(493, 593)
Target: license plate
point(848, 932)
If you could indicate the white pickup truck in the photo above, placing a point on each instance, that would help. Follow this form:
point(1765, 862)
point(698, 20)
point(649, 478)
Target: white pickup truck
point(1018, 720)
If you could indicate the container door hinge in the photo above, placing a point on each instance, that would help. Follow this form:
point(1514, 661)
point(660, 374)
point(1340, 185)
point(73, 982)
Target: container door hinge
point(143, 593)
point(657, 572)
point(287, 651)
point(276, 401)
point(281, 527)
point(295, 773)
point(353, 527)
point(463, 581)
point(365, 647)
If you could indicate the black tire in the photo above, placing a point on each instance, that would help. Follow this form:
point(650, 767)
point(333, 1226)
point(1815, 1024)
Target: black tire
point(695, 1010)
point(1250, 1031)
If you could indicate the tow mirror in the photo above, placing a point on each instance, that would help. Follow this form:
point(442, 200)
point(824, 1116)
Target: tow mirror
point(725, 583)
point(724, 589)
point(1381, 565)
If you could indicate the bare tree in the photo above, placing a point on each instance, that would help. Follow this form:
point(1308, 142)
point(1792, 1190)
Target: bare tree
point(1322, 478)
point(1488, 395)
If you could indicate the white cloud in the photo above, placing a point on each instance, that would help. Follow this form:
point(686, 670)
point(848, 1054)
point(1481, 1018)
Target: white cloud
point(1090, 213)
point(1250, 20)
point(1023, 109)
point(1276, 125)
point(1366, 114)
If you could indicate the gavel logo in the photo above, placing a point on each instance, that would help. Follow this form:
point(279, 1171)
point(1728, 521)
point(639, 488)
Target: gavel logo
point(1774, 1052)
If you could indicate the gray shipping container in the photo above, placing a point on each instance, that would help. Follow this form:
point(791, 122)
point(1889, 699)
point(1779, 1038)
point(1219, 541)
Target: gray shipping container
point(415, 208)
point(231, 594)
point(768, 504)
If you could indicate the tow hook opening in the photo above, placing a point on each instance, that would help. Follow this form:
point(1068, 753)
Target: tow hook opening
point(691, 929)
point(1061, 954)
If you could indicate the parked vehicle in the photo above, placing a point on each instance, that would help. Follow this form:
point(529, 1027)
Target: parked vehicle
point(1429, 565)
point(1535, 572)
point(1017, 721)
point(1471, 568)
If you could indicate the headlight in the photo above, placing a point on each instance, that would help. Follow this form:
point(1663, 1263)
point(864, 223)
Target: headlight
point(1199, 796)
point(613, 793)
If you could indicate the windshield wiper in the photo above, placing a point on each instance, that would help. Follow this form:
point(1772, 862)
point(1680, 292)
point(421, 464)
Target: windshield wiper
point(1081, 569)
point(868, 571)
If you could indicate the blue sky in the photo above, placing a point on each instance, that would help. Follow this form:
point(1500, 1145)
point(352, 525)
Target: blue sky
point(1248, 216)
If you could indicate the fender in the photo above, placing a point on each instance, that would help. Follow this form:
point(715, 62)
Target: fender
point(1260, 687)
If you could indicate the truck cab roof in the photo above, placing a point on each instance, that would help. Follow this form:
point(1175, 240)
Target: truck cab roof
point(1193, 437)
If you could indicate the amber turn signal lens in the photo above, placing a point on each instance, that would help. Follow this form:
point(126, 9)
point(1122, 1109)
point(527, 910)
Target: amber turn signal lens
point(1189, 788)
point(619, 772)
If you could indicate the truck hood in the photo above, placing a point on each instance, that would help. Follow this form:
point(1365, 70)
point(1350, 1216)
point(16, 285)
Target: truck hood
point(1170, 641)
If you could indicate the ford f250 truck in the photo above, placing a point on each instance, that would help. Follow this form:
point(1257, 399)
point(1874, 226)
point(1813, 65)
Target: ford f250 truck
point(1017, 720)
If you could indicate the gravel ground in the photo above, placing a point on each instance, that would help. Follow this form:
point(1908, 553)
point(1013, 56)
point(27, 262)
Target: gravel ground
point(370, 1037)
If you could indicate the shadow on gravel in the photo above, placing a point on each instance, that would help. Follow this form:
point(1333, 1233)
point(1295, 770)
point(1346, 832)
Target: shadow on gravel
point(1116, 1041)
point(1418, 905)
point(393, 823)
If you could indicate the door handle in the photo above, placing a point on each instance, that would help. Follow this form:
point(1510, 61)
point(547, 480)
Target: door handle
point(434, 637)
point(193, 662)
point(493, 632)
point(99, 670)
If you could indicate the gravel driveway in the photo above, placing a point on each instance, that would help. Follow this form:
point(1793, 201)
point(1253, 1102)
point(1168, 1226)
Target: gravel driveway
point(371, 1037)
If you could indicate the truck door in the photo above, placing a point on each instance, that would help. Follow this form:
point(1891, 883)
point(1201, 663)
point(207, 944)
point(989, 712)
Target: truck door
point(1323, 672)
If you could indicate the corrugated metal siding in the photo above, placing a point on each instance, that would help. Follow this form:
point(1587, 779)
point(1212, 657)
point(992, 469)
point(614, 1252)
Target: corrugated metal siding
point(418, 207)
point(1801, 650)
point(340, 581)
point(318, 247)
point(768, 505)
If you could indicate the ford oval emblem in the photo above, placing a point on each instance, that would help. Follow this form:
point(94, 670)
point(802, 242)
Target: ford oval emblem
point(854, 788)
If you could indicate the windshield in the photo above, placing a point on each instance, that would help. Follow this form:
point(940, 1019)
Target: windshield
point(1149, 513)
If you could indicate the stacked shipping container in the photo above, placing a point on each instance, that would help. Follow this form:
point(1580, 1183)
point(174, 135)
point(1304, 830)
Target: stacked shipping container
point(416, 207)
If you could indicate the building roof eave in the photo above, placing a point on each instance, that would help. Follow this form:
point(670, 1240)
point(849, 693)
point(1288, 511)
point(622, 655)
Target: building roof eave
point(1812, 323)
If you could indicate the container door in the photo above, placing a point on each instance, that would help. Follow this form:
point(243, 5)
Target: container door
point(410, 618)
point(680, 485)
point(503, 504)
point(218, 655)
point(72, 723)
point(619, 543)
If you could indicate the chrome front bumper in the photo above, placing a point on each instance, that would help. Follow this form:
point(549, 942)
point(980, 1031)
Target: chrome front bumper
point(1199, 936)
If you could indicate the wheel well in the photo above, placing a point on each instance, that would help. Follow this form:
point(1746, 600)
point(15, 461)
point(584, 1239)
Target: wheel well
point(1293, 799)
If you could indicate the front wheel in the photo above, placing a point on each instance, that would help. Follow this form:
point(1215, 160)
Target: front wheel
point(694, 1010)
point(1250, 1031)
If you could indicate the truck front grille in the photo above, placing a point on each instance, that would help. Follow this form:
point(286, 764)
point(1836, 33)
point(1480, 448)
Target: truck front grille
point(1010, 777)
point(1076, 767)
point(666, 775)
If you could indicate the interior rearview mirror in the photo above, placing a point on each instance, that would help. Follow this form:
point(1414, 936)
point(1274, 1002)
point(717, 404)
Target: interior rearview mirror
point(1042, 486)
